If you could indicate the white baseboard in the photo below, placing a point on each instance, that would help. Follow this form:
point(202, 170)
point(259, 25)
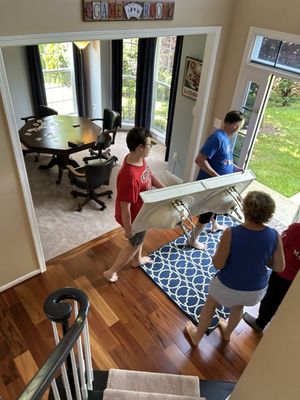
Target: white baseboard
point(174, 177)
point(19, 280)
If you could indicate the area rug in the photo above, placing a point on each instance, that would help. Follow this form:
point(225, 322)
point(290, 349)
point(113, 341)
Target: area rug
point(184, 273)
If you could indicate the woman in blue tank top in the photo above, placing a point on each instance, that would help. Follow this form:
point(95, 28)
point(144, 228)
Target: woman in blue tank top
point(242, 257)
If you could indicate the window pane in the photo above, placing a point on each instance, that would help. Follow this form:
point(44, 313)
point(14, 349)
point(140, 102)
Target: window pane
point(238, 147)
point(265, 50)
point(130, 51)
point(58, 71)
point(251, 95)
point(162, 82)
point(289, 57)
point(276, 53)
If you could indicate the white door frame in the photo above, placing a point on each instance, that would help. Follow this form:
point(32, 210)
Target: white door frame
point(213, 38)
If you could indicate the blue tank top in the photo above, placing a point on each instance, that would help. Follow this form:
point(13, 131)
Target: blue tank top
point(245, 268)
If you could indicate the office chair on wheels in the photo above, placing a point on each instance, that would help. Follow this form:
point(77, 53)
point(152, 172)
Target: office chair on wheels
point(91, 177)
point(111, 122)
point(43, 111)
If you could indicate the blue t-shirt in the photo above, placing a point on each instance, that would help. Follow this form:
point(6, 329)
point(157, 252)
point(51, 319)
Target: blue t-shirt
point(218, 150)
point(246, 266)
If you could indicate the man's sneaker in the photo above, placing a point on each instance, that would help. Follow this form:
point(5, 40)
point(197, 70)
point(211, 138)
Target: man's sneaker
point(251, 321)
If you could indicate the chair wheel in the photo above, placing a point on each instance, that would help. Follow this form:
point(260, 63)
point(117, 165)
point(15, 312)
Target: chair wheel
point(109, 196)
point(79, 208)
point(102, 208)
point(74, 195)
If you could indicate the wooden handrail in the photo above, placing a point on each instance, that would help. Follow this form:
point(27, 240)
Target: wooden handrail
point(58, 311)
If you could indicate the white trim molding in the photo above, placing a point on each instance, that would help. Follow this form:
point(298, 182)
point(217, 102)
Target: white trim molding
point(19, 280)
point(12, 125)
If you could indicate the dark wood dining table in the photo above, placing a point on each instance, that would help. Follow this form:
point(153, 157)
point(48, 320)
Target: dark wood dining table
point(61, 136)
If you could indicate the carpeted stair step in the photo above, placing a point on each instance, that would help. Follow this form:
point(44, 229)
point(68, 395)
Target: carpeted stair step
point(117, 394)
point(151, 382)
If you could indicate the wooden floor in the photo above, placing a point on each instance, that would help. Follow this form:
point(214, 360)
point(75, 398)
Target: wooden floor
point(132, 323)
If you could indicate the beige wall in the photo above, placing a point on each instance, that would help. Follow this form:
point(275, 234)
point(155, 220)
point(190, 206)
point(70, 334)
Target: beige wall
point(277, 15)
point(273, 371)
point(37, 17)
point(43, 16)
point(17, 250)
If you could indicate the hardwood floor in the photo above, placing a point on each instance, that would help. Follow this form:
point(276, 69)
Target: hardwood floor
point(132, 324)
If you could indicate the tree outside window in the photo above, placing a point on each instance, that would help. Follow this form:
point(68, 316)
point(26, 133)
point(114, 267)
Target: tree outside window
point(58, 70)
point(130, 52)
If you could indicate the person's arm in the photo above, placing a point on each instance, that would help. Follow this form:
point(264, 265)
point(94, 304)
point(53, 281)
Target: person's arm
point(126, 218)
point(222, 253)
point(277, 262)
point(237, 169)
point(204, 165)
point(156, 182)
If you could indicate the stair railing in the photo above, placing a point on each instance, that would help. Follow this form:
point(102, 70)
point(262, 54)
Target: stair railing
point(76, 379)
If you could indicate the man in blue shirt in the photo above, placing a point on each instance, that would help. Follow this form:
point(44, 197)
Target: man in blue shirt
point(216, 158)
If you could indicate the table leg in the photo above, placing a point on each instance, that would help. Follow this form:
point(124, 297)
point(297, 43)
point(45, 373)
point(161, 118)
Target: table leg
point(61, 161)
point(51, 163)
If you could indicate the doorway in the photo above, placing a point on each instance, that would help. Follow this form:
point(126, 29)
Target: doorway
point(269, 143)
point(276, 147)
point(213, 34)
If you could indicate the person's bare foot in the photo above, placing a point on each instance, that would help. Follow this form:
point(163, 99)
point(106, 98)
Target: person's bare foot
point(216, 228)
point(110, 277)
point(222, 326)
point(191, 330)
point(141, 261)
point(197, 245)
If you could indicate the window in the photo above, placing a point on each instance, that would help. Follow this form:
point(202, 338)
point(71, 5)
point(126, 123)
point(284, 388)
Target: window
point(277, 54)
point(164, 59)
point(58, 71)
point(130, 52)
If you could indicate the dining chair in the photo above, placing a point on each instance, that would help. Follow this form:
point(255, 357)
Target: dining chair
point(111, 121)
point(89, 178)
point(43, 111)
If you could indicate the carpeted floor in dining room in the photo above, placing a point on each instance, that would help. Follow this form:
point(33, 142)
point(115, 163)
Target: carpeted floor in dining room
point(61, 227)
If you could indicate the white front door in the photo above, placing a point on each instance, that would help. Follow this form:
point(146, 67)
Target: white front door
point(251, 96)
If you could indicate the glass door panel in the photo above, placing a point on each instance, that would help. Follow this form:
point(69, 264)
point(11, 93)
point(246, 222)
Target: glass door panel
point(250, 97)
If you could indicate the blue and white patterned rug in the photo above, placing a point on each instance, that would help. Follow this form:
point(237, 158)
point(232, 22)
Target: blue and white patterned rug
point(184, 273)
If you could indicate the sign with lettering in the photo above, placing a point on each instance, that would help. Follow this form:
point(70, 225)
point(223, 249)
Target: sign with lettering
point(118, 10)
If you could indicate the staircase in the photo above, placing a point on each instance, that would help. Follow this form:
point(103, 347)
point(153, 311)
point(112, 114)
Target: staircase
point(68, 372)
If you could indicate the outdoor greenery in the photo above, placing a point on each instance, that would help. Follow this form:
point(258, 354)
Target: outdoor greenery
point(162, 79)
point(276, 156)
point(56, 63)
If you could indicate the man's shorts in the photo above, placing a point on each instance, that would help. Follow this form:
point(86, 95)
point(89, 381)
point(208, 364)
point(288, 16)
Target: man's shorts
point(137, 239)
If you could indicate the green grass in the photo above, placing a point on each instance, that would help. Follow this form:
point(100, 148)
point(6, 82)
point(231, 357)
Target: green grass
point(276, 156)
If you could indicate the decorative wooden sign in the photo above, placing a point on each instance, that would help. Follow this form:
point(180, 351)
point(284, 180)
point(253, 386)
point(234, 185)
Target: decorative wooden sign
point(118, 10)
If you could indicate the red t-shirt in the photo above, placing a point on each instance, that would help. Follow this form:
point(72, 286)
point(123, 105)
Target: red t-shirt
point(131, 181)
point(291, 247)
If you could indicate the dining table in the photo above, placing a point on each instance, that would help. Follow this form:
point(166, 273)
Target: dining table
point(61, 136)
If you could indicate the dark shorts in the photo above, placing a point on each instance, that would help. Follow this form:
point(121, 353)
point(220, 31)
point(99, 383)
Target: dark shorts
point(205, 218)
point(137, 239)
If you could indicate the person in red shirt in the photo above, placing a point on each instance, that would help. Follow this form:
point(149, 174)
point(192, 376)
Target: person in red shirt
point(133, 178)
point(279, 282)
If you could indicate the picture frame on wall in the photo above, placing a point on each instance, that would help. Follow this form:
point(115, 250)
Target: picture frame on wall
point(191, 77)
